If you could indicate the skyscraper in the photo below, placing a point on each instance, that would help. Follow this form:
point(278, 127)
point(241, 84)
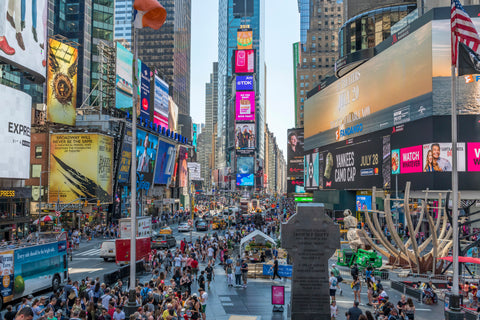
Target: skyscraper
point(318, 46)
point(234, 14)
point(123, 20)
point(168, 51)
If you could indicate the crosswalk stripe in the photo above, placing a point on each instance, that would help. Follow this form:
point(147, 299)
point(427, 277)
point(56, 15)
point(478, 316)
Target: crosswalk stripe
point(90, 252)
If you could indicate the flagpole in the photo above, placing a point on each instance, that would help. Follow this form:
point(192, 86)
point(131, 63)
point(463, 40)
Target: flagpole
point(455, 289)
point(133, 170)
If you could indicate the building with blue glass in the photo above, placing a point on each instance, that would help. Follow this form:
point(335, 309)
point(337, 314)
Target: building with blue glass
point(123, 20)
point(232, 15)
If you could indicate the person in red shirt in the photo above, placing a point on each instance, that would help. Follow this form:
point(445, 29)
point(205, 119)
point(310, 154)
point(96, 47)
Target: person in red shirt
point(111, 308)
point(194, 265)
point(182, 246)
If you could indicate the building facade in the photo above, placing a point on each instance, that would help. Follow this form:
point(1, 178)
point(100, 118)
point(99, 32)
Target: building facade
point(318, 47)
point(168, 51)
point(123, 20)
point(234, 14)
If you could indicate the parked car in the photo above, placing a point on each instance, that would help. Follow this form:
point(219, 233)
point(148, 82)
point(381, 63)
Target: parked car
point(184, 227)
point(202, 225)
point(107, 250)
point(163, 241)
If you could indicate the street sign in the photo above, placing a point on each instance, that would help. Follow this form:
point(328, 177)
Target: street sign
point(57, 213)
point(190, 222)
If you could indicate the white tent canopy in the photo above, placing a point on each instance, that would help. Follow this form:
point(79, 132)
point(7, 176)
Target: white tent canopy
point(256, 235)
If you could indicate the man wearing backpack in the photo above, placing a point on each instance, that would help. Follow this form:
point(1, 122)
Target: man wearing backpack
point(333, 286)
point(336, 274)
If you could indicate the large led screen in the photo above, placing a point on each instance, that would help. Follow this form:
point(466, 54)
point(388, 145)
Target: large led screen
point(295, 153)
point(123, 82)
point(146, 152)
point(393, 87)
point(244, 61)
point(244, 83)
point(165, 162)
point(244, 136)
point(182, 167)
point(62, 83)
point(245, 106)
point(244, 39)
point(245, 170)
point(80, 167)
point(15, 123)
point(24, 28)
point(161, 106)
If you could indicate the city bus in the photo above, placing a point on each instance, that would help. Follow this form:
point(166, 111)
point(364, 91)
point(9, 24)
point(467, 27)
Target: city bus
point(27, 268)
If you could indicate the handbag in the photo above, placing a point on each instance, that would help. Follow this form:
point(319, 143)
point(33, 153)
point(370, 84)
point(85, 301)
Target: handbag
point(339, 278)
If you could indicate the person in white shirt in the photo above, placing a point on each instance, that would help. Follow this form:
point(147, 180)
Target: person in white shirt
point(118, 314)
point(333, 286)
point(333, 310)
point(203, 302)
point(177, 262)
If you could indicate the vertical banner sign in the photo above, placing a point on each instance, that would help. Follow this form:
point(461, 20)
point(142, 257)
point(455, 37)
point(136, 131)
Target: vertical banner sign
point(278, 295)
point(61, 83)
point(6, 274)
point(80, 167)
point(161, 105)
point(145, 92)
point(123, 79)
point(147, 145)
point(126, 158)
point(295, 153)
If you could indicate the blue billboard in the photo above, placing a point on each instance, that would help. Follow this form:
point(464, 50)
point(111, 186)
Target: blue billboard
point(145, 92)
point(244, 83)
point(126, 157)
point(245, 170)
point(146, 152)
point(363, 203)
point(165, 162)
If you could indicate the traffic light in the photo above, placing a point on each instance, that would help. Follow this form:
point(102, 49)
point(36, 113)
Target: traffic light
point(98, 203)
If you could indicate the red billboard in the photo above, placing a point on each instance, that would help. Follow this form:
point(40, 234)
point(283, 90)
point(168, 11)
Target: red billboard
point(245, 61)
point(473, 156)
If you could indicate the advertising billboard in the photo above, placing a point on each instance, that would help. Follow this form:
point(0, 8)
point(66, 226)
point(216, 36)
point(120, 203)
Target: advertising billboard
point(172, 114)
point(245, 136)
point(295, 153)
point(123, 79)
point(245, 106)
point(145, 92)
point(25, 35)
point(80, 167)
point(244, 83)
point(126, 157)
point(244, 38)
point(161, 107)
point(6, 271)
point(473, 156)
point(363, 203)
point(259, 174)
point(62, 83)
point(194, 171)
point(165, 166)
point(351, 106)
point(312, 178)
point(245, 171)
point(182, 167)
point(15, 123)
point(437, 157)
point(146, 152)
point(244, 61)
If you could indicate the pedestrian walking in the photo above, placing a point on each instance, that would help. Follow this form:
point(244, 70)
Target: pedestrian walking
point(275, 270)
point(357, 288)
point(336, 273)
point(333, 286)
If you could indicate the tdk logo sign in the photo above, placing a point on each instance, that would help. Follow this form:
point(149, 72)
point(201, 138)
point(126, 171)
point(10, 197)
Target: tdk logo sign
point(342, 133)
point(244, 83)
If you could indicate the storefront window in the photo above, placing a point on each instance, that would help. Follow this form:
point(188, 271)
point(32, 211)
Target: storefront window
point(38, 152)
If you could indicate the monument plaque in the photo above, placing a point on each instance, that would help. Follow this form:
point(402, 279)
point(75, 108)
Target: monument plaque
point(311, 238)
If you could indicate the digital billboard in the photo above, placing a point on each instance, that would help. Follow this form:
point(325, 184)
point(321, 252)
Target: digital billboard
point(165, 165)
point(244, 61)
point(244, 38)
point(312, 178)
point(363, 203)
point(145, 92)
point(126, 157)
point(244, 83)
point(245, 171)
point(473, 156)
point(25, 41)
point(80, 167)
point(295, 153)
point(350, 106)
point(15, 123)
point(182, 167)
point(146, 152)
point(123, 81)
point(62, 83)
point(195, 171)
point(245, 136)
point(172, 114)
point(245, 106)
point(161, 106)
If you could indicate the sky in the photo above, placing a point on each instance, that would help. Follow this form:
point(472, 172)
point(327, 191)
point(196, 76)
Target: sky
point(282, 29)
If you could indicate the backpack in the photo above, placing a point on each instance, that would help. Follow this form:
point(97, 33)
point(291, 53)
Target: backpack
point(144, 292)
point(334, 282)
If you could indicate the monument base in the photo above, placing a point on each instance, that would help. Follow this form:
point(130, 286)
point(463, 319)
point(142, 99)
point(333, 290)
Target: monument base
point(454, 315)
point(131, 307)
point(277, 309)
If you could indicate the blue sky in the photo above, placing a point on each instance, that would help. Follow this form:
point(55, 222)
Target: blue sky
point(282, 26)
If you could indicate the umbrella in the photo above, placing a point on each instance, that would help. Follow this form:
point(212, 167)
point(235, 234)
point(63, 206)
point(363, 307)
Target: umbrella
point(36, 221)
point(47, 218)
point(463, 259)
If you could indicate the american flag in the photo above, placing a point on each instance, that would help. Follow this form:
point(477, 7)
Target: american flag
point(463, 30)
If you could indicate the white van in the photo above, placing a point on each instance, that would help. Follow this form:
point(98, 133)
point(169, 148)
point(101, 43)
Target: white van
point(107, 250)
